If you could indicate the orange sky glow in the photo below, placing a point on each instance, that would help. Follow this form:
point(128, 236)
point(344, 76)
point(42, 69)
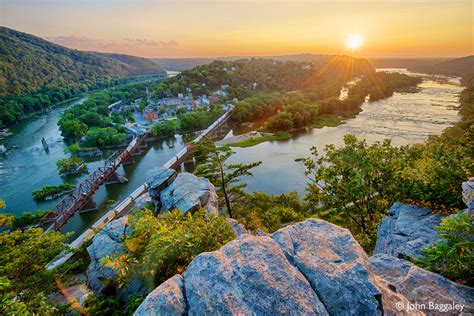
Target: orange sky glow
point(155, 28)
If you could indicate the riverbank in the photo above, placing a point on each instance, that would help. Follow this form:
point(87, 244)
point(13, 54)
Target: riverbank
point(252, 139)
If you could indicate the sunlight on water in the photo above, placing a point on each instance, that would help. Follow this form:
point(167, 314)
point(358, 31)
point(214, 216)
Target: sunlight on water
point(403, 118)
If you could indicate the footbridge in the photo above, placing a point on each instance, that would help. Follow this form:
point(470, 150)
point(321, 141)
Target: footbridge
point(81, 198)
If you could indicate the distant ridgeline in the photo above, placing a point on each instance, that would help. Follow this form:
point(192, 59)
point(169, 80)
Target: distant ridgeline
point(35, 74)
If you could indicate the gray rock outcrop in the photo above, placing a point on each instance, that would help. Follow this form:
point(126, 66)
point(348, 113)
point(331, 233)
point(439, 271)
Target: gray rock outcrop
point(312, 267)
point(107, 242)
point(406, 231)
point(236, 227)
point(157, 179)
point(167, 299)
point(249, 275)
point(335, 265)
point(188, 193)
point(420, 286)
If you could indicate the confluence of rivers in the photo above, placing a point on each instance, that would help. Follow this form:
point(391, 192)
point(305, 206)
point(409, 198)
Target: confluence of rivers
point(404, 118)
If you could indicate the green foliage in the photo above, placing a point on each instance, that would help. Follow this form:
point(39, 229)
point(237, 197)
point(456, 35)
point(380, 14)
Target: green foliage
point(102, 137)
point(226, 177)
point(257, 140)
point(71, 165)
point(27, 219)
point(167, 128)
point(97, 304)
point(161, 246)
point(199, 119)
point(353, 185)
point(23, 257)
point(72, 130)
point(453, 256)
point(36, 74)
point(50, 190)
point(269, 212)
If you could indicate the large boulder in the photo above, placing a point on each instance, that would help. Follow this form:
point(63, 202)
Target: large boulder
point(157, 179)
point(406, 231)
point(188, 193)
point(334, 264)
point(167, 299)
point(422, 288)
point(248, 276)
point(106, 243)
point(236, 227)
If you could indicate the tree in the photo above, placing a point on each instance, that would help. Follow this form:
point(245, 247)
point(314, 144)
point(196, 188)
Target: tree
point(268, 212)
point(73, 130)
point(353, 185)
point(224, 176)
point(167, 128)
point(71, 165)
point(453, 256)
point(23, 257)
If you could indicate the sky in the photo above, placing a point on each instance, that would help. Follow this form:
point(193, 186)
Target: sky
point(198, 28)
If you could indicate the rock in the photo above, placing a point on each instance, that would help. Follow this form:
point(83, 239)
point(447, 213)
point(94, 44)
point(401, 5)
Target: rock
point(248, 276)
point(420, 286)
point(157, 179)
point(236, 227)
point(167, 299)
point(188, 193)
point(106, 242)
point(406, 231)
point(334, 264)
point(468, 194)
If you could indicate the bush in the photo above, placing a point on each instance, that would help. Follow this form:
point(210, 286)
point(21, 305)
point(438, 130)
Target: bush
point(452, 257)
point(160, 247)
point(71, 165)
point(51, 190)
point(167, 128)
point(101, 137)
point(269, 212)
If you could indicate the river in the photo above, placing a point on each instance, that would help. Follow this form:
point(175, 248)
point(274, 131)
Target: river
point(29, 167)
point(404, 118)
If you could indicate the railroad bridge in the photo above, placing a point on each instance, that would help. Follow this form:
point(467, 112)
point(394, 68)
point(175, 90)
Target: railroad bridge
point(81, 198)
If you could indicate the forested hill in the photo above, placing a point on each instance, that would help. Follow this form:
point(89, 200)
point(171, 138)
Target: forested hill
point(180, 64)
point(29, 63)
point(457, 67)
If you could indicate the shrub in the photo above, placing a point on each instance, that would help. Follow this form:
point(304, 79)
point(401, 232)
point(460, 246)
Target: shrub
point(159, 247)
point(452, 257)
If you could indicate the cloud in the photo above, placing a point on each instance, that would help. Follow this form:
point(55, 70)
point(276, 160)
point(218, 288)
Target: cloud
point(137, 46)
point(150, 43)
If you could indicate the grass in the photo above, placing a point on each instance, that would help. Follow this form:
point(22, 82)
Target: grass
point(257, 140)
point(330, 121)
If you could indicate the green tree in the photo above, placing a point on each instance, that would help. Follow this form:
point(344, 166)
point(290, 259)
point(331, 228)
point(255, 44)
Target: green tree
point(73, 130)
point(226, 177)
point(23, 257)
point(353, 185)
point(269, 212)
point(167, 128)
point(71, 165)
point(453, 256)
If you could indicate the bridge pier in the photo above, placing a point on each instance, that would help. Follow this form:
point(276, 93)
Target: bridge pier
point(91, 205)
point(116, 178)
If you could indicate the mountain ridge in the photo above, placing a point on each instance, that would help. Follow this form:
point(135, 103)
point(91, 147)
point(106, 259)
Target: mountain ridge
point(29, 63)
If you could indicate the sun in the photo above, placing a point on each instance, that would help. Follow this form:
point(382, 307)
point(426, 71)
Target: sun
point(354, 41)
